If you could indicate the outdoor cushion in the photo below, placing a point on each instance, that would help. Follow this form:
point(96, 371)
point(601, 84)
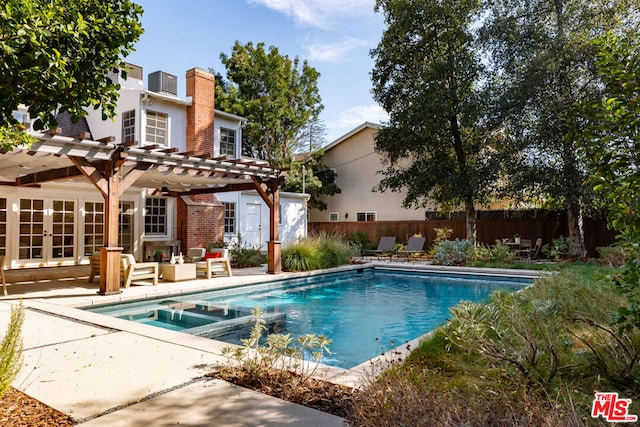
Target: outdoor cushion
point(210, 255)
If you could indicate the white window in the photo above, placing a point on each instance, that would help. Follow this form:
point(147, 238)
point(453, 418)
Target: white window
point(129, 126)
point(333, 216)
point(157, 128)
point(366, 216)
point(155, 218)
point(229, 217)
point(227, 142)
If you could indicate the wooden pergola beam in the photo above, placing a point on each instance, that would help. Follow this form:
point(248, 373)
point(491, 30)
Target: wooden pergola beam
point(48, 175)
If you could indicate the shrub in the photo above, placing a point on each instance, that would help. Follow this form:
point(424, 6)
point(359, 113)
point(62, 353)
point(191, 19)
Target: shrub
point(614, 256)
point(332, 250)
point(11, 349)
point(299, 256)
point(259, 357)
point(361, 239)
point(456, 252)
point(317, 251)
point(242, 254)
point(558, 248)
point(498, 253)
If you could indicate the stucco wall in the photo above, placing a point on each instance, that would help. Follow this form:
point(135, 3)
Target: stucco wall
point(356, 164)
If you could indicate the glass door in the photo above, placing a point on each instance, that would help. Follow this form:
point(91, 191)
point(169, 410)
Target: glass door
point(62, 232)
point(46, 231)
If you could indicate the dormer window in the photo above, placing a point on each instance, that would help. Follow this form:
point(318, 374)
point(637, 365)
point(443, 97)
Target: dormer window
point(227, 142)
point(157, 128)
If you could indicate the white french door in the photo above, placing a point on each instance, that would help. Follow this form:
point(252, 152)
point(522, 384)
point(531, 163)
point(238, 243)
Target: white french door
point(46, 233)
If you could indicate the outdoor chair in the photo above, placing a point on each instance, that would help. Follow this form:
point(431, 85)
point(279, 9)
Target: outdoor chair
point(414, 247)
point(94, 265)
point(385, 245)
point(535, 251)
point(195, 254)
point(4, 282)
point(214, 261)
point(524, 250)
point(134, 271)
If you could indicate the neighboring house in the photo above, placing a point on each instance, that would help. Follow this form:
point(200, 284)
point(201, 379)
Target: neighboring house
point(353, 159)
point(61, 222)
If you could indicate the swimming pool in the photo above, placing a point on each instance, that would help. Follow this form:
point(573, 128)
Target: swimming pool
point(364, 312)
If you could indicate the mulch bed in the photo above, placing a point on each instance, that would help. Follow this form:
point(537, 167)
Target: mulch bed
point(313, 393)
point(19, 409)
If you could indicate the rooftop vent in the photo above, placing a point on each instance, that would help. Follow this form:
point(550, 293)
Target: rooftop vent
point(162, 82)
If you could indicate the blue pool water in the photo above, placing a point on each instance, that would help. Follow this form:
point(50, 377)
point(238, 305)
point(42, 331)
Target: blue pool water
point(364, 313)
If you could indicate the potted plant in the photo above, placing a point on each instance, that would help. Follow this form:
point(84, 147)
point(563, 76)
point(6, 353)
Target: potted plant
point(157, 256)
point(516, 239)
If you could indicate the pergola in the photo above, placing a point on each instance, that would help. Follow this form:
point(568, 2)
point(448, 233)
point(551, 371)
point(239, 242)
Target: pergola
point(114, 168)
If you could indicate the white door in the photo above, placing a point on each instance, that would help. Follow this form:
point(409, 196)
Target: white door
point(46, 232)
point(253, 229)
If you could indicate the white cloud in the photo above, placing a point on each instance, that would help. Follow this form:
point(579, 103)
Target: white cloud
point(318, 13)
point(355, 116)
point(334, 52)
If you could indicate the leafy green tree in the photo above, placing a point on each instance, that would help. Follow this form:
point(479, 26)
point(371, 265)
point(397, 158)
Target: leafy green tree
point(608, 132)
point(426, 75)
point(309, 175)
point(279, 96)
point(56, 56)
point(543, 61)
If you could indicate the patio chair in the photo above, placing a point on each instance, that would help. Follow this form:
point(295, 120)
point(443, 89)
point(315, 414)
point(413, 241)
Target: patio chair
point(524, 250)
point(414, 246)
point(94, 265)
point(535, 251)
point(385, 245)
point(195, 254)
point(214, 261)
point(4, 282)
point(134, 271)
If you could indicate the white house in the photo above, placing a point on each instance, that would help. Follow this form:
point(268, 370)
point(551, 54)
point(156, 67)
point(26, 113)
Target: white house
point(61, 222)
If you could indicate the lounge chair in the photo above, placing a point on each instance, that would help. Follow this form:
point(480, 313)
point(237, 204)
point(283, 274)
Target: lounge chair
point(214, 261)
point(195, 254)
point(385, 245)
point(94, 265)
point(4, 282)
point(132, 270)
point(414, 246)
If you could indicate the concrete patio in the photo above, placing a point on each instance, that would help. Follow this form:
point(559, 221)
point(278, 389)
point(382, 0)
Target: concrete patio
point(107, 371)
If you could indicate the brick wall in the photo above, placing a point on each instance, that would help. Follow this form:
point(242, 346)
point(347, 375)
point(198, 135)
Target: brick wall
point(199, 223)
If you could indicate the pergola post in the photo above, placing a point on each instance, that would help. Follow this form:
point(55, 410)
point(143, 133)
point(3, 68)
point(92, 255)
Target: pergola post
point(270, 194)
point(111, 184)
point(110, 253)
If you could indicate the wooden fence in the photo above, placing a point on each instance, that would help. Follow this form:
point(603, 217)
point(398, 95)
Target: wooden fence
point(596, 233)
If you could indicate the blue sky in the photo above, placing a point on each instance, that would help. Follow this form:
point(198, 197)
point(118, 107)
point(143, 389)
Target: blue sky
point(334, 36)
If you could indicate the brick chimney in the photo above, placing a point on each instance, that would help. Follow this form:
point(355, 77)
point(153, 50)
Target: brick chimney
point(200, 115)
point(200, 217)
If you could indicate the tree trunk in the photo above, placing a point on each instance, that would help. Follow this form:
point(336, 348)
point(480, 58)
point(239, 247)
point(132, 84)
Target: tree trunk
point(576, 230)
point(470, 213)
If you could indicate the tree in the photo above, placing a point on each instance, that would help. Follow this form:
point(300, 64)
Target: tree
point(426, 74)
point(279, 96)
point(56, 56)
point(542, 57)
point(309, 175)
point(608, 132)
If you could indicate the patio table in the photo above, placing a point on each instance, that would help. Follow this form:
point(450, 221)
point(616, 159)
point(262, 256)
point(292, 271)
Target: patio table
point(177, 272)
